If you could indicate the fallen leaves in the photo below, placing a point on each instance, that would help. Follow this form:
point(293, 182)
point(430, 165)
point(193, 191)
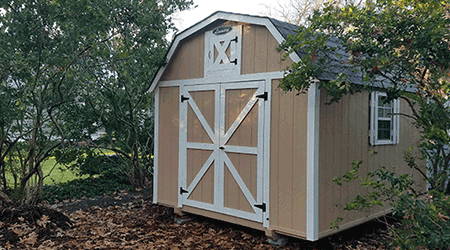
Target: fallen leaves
point(137, 224)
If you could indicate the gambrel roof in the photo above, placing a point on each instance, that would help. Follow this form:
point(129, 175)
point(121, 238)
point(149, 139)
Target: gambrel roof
point(280, 31)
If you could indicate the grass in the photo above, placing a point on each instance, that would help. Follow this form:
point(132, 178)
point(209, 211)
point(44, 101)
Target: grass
point(62, 183)
point(55, 173)
point(60, 173)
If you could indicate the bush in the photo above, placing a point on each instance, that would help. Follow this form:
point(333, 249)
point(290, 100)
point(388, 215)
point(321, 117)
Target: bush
point(86, 161)
point(83, 188)
point(104, 165)
point(423, 217)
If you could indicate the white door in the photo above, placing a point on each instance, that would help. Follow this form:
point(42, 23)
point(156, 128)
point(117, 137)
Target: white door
point(221, 148)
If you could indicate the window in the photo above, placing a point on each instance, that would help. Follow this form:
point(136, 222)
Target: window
point(384, 124)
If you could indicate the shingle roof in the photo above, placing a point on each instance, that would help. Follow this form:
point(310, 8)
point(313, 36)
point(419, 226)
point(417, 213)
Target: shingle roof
point(339, 63)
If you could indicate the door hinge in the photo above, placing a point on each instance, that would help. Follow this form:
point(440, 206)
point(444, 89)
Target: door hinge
point(261, 206)
point(184, 98)
point(183, 191)
point(264, 96)
point(234, 61)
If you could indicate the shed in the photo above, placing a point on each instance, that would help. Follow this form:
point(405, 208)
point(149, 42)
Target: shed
point(230, 145)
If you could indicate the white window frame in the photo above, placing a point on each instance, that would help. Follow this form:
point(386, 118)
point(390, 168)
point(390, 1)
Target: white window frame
point(374, 121)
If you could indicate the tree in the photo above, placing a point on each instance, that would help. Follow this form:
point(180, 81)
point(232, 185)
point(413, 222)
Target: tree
point(298, 11)
point(403, 48)
point(48, 53)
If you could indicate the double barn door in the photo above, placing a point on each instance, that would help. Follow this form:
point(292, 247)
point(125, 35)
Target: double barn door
point(221, 149)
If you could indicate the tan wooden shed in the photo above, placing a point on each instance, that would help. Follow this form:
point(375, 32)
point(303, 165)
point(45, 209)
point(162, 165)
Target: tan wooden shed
point(230, 145)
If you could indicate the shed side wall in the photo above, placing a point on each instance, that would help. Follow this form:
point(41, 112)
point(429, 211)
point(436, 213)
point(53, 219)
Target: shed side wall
point(288, 161)
point(344, 137)
point(168, 145)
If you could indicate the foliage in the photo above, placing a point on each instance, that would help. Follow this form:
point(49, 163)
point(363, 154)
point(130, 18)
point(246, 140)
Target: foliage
point(85, 161)
point(423, 218)
point(403, 48)
point(84, 188)
point(70, 68)
point(298, 11)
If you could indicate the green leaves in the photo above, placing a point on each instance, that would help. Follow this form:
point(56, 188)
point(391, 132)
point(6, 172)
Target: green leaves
point(70, 69)
point(403, 47)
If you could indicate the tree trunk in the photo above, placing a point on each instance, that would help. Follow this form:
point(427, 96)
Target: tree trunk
point(3, 174)
point(5, 201)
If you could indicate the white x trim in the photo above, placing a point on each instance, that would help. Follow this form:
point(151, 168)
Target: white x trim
point(201, 173)
point(248, 195)
point(222, 51)
point(240, 118)
point(219, 149)
point(200, 117)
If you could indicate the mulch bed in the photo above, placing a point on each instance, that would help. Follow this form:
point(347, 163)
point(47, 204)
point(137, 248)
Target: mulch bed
point(126, 220)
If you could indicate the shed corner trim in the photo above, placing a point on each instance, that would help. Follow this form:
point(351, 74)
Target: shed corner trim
point(312, 181)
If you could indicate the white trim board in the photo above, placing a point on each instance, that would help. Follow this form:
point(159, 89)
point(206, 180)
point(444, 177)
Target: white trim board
point(155, 147)
point(229, 79)
point(264, 21)
point(312, 169)
point(266, 167)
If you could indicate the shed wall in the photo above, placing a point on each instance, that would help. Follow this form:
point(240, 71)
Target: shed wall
point(288, 131)
point(259, 54)
point(168, 145)
point(187, 61)
point(288, 161)
point(344, 137)
point(259, 51)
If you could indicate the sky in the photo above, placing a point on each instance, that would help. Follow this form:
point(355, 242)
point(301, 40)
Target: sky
point(205, 8)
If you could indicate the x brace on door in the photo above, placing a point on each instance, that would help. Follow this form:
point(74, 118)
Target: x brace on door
point(220, 148)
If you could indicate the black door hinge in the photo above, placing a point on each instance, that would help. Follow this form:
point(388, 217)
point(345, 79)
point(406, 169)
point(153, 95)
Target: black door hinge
point(183, 191)
point(261, 206)
point(234, 40)
point(264, 96)
point(184, 98)
point(234, 61)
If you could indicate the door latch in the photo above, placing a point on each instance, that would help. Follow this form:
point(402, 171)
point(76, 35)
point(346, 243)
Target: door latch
point(222, 147)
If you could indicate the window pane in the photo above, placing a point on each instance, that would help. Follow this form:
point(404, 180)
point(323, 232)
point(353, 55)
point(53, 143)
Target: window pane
point(384, 110)
point(384, 130)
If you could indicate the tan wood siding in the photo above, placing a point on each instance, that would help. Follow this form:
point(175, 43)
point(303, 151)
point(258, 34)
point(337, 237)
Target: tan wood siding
point(288, 161)
point(187, 61)
point(168, 145)
point(259, 54)
point(259, 51)
point(344, 138)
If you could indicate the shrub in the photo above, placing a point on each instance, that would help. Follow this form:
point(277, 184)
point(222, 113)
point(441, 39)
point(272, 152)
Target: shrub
point(83, 188)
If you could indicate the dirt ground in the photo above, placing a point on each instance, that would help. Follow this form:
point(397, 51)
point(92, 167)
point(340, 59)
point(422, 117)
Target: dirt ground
point(127, 220)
